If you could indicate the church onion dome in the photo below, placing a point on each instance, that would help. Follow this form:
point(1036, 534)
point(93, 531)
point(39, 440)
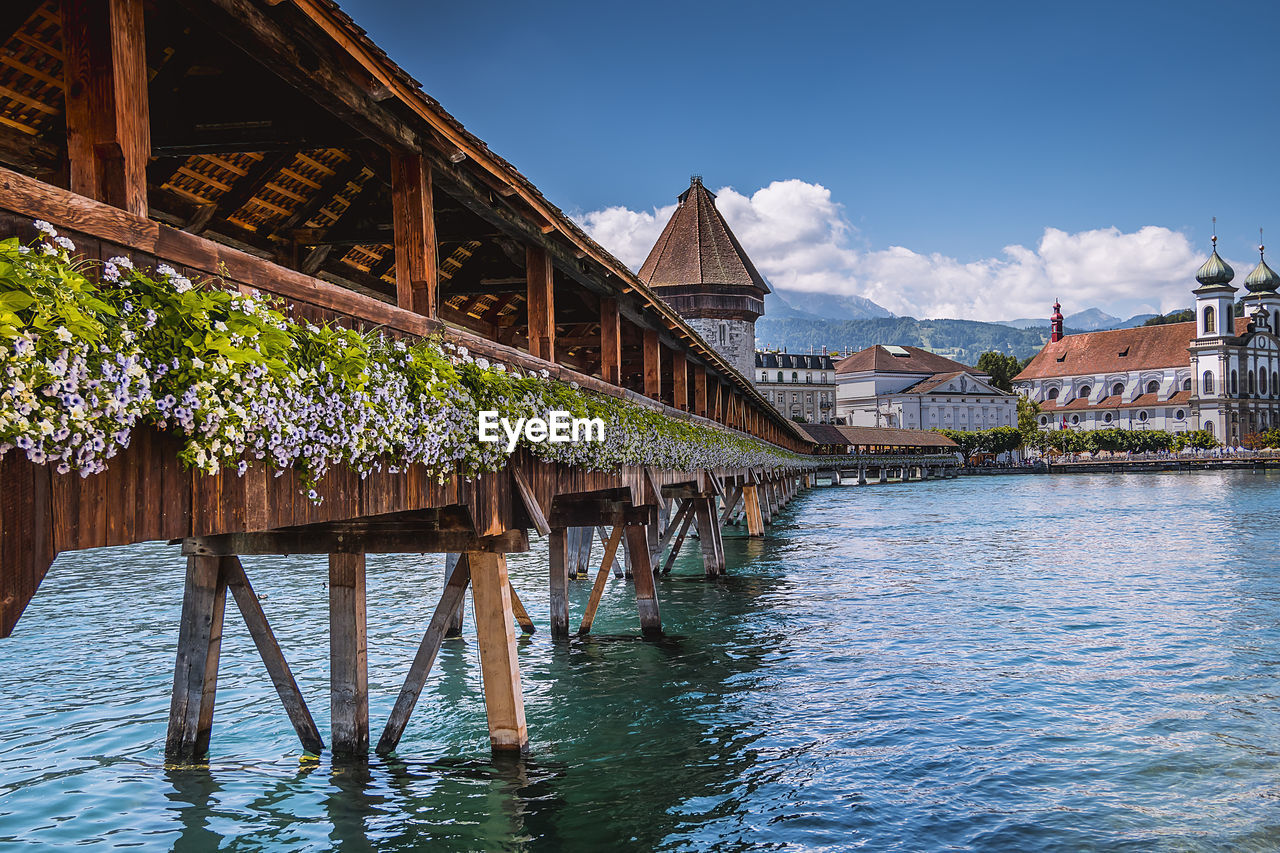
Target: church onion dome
point(1263, 279)
point(1215, 270)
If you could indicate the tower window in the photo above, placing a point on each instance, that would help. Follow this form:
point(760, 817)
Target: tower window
point(724, 333)
point(1235, 383)
point(1209, 327)
point(1262, 382)
point(1206, 382)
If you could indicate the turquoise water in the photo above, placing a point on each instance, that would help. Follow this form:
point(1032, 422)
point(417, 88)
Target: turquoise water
point(1022, 663)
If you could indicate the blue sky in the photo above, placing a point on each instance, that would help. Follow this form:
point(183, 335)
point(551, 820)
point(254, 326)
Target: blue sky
point(948, 129)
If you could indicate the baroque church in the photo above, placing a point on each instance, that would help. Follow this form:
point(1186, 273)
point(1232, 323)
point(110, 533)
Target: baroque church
point(1219, 372)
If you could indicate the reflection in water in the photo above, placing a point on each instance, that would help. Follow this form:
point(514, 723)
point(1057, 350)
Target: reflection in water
point(1029, 663)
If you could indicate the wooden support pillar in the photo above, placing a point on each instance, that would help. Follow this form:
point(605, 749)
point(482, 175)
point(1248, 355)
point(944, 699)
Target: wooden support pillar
point(195, 676)
point(456, 580)
point(348, 656)
point(453, 627)
point(730, 504)
point(652, 365)
point(414, 220)
point(680, 380)
point(679, 543)
point(618, 571)
point(751, 503)
point(597, 589)
point(700, 391)
point(610, 341)
point(558, 563)
point(108, 117)
point(540, 277)
point(766, 501)
point(500, 669)
point(580, 542)
point(709, 536)
point(269, 650)
point(646, 589)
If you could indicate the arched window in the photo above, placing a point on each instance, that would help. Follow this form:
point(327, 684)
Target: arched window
point(1153, 387)
point(780, 376)
point(1253, 387)
point(1206, 382)
point(795, 377)
point(1208, 320)
point(1052, 395)
point(1084, 391)
point(1208, 427)
point(1186, 384)
point(1235, 383)
point(1117, 389)
point(1262, 382)
point(1275, 384)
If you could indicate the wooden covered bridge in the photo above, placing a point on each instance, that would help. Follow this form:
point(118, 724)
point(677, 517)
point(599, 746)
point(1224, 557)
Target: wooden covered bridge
point(269, 145)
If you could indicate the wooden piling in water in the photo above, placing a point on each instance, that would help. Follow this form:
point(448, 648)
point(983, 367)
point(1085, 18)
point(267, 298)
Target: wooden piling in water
point(195, 676)
point(496, 635)
point(348, 656)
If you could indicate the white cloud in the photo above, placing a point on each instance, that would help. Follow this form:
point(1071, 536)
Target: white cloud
point(800, 238)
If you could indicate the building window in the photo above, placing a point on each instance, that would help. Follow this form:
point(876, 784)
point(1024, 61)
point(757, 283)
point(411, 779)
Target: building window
point(764, 376)
point(1153, 387)
point(1043, 420)
point(1142, 416)
point(1208, 320)
point(1107, 417)
point(1262, 382)
point(779, 375)
point(1117, 389)
point(1253, 387)
point(1052, 395)
point(1206, 382)
point(724, 333)
point(1235, 384)
point(1179, 415)
point(1275, 384)
point(1186, 384)
point(795, 377)
point(1084, 391)
point(1208, 427)
point(1075, 419)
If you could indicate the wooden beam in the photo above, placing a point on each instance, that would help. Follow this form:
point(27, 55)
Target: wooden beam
point(684, 529)
point(700, 391)
point(751, 499)
point(679, 380)
point(108, 124)
point(597, 589)
point(530, 500)
point(710, 537)
point(500, 668)
point(354, 538)
point(455, 589)
point(610, 342)
point(540, 276)
point(244, 188)
point(277, 667)
point(730, 504)
point(655, 490)
point(522, 616)
point(195, 676)
point(558, 567)
point(645, 587)
point(348, 656)
point(417, 271)
point(652, 365)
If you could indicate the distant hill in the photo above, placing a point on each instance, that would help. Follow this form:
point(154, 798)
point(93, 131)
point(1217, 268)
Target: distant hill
point(821, 306)
point(962, 340)
point(1088, 320)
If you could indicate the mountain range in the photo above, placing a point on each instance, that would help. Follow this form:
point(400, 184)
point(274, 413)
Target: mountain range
point(811, 322)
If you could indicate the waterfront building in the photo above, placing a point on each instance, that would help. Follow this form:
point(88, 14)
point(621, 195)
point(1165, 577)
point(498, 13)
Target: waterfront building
point(701, 270)
point(912, 388)
point(802, 387)
point(1219, 372)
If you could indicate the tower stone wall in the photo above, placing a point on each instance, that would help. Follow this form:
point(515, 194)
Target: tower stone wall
point(733, 339)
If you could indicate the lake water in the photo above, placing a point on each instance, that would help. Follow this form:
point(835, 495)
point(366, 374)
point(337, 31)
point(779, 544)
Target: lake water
point(1020, 663)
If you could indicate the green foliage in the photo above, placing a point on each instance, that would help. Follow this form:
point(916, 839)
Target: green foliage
point(1186, 315)
point(1202, 439)
point(1114, 440)
point(994, 441)
point(1001, 368)
point(1028, 416)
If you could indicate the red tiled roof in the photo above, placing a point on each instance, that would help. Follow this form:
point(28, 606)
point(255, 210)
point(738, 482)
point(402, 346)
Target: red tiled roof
point(1142, 401)
point(1117, 351)
point(880, 360)
point(698, 247)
